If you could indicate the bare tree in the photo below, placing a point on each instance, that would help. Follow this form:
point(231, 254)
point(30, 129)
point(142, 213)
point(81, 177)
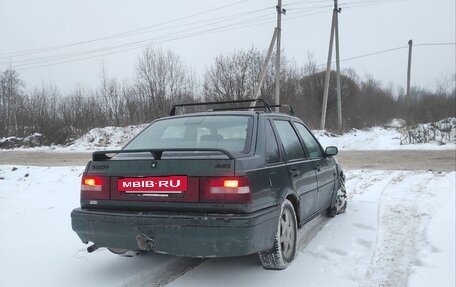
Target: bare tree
point(446, 84)
point(162, 79)
point(10, 101)
point(234, 77)
point(113, 102)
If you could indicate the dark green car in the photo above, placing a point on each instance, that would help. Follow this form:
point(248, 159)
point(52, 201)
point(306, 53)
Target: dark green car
point(211, 184)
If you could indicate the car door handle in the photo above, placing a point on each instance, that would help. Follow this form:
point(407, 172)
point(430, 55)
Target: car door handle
point(317, 167)
point(295, 172)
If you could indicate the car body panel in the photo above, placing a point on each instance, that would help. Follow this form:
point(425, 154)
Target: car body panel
point(190, 234)
point(326, 175)
point(304, 180)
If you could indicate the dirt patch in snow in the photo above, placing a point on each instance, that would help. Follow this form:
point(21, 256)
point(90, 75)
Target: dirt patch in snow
point(437, 160)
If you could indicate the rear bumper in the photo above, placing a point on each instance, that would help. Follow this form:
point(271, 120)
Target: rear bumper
point(192, 235)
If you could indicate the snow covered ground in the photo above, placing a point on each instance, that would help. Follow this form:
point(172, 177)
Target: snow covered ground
point(376, 138)
point(399, 230)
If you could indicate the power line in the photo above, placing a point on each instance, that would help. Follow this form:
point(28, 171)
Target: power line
point(306, 3)
point(22, 63)
point(136, 45)
point(127, 33)
point(370, 4)
point(140, 42)
point(38, 63)
point(393, 49)
point(147, 29)
point(328, 8)
point(262, 19)
point(309, 8)
point(374, 53)
point(435, 44)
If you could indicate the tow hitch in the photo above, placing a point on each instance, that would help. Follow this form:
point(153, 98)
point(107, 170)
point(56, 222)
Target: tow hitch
point(145, 243)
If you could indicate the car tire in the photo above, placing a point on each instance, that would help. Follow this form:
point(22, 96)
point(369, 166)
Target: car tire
point(341, 198)
point(331, 211)
point(284, 249)
point(344, 207)
point(340, 204)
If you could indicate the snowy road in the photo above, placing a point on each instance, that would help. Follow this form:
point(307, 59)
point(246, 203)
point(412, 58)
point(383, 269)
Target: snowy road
point(399, 230)
point(437, 160)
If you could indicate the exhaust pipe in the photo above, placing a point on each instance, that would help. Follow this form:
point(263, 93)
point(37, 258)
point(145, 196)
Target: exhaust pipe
point(145, 243)
point(92, 248)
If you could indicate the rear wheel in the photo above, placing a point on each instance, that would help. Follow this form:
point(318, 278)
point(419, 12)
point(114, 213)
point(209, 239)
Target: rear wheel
point(284, 249)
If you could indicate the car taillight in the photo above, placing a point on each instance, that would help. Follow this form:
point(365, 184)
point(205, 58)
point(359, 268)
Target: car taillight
point(225, 189)
point(92, 184)
point(94, 187)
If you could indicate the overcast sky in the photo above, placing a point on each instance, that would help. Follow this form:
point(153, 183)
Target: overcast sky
point(200, 30)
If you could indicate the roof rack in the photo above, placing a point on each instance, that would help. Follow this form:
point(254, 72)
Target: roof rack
point(290, 108)
point(265, 105)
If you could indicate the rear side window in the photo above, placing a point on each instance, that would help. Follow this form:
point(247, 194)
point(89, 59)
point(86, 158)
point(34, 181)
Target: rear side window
point(232, 133)
point(290, 140)
point(311, 144)
point(272, 148)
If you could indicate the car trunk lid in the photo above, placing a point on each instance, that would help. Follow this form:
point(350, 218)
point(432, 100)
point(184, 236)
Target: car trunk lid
point(157, 176)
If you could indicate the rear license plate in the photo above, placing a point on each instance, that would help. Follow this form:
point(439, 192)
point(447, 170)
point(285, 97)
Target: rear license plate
point(153, 184)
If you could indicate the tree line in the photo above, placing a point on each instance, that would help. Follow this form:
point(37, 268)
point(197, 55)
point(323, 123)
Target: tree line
point(162, 79)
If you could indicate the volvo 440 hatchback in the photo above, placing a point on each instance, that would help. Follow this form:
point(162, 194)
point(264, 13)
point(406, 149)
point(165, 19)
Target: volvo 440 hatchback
point(226, 182)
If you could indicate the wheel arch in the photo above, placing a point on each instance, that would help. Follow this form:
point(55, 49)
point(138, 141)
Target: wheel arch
point(295, 202)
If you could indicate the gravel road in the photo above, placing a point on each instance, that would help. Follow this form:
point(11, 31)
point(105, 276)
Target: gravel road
point(436, 160)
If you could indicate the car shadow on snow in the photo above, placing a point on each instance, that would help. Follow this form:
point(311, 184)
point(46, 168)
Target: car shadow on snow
point(150, 269)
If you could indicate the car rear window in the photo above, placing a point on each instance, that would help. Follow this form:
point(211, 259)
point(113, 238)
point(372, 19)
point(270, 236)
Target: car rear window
point(232, 133)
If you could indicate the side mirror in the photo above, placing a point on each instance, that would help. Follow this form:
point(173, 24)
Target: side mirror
point(331, 150)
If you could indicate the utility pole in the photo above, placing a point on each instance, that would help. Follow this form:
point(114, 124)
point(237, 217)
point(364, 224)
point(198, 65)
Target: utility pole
point(410, 43)
point(280, 11)
point(334, 28)
point(339, 94)
point(264, 67)
point(328, 71)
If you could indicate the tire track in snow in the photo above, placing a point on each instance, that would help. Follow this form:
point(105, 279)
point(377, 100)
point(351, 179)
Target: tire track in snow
point(347, 242)
point(181, 265)
point(370, 272)
point(164, 275)
point(176, 270)
point(310, 230)
point(400, 222)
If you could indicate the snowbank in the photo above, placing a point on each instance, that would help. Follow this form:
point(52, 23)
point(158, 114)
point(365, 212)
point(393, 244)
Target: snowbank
point(395, 136)
point(33, 140)
point(106, 138)
point(441, 132)
point(374, 138)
